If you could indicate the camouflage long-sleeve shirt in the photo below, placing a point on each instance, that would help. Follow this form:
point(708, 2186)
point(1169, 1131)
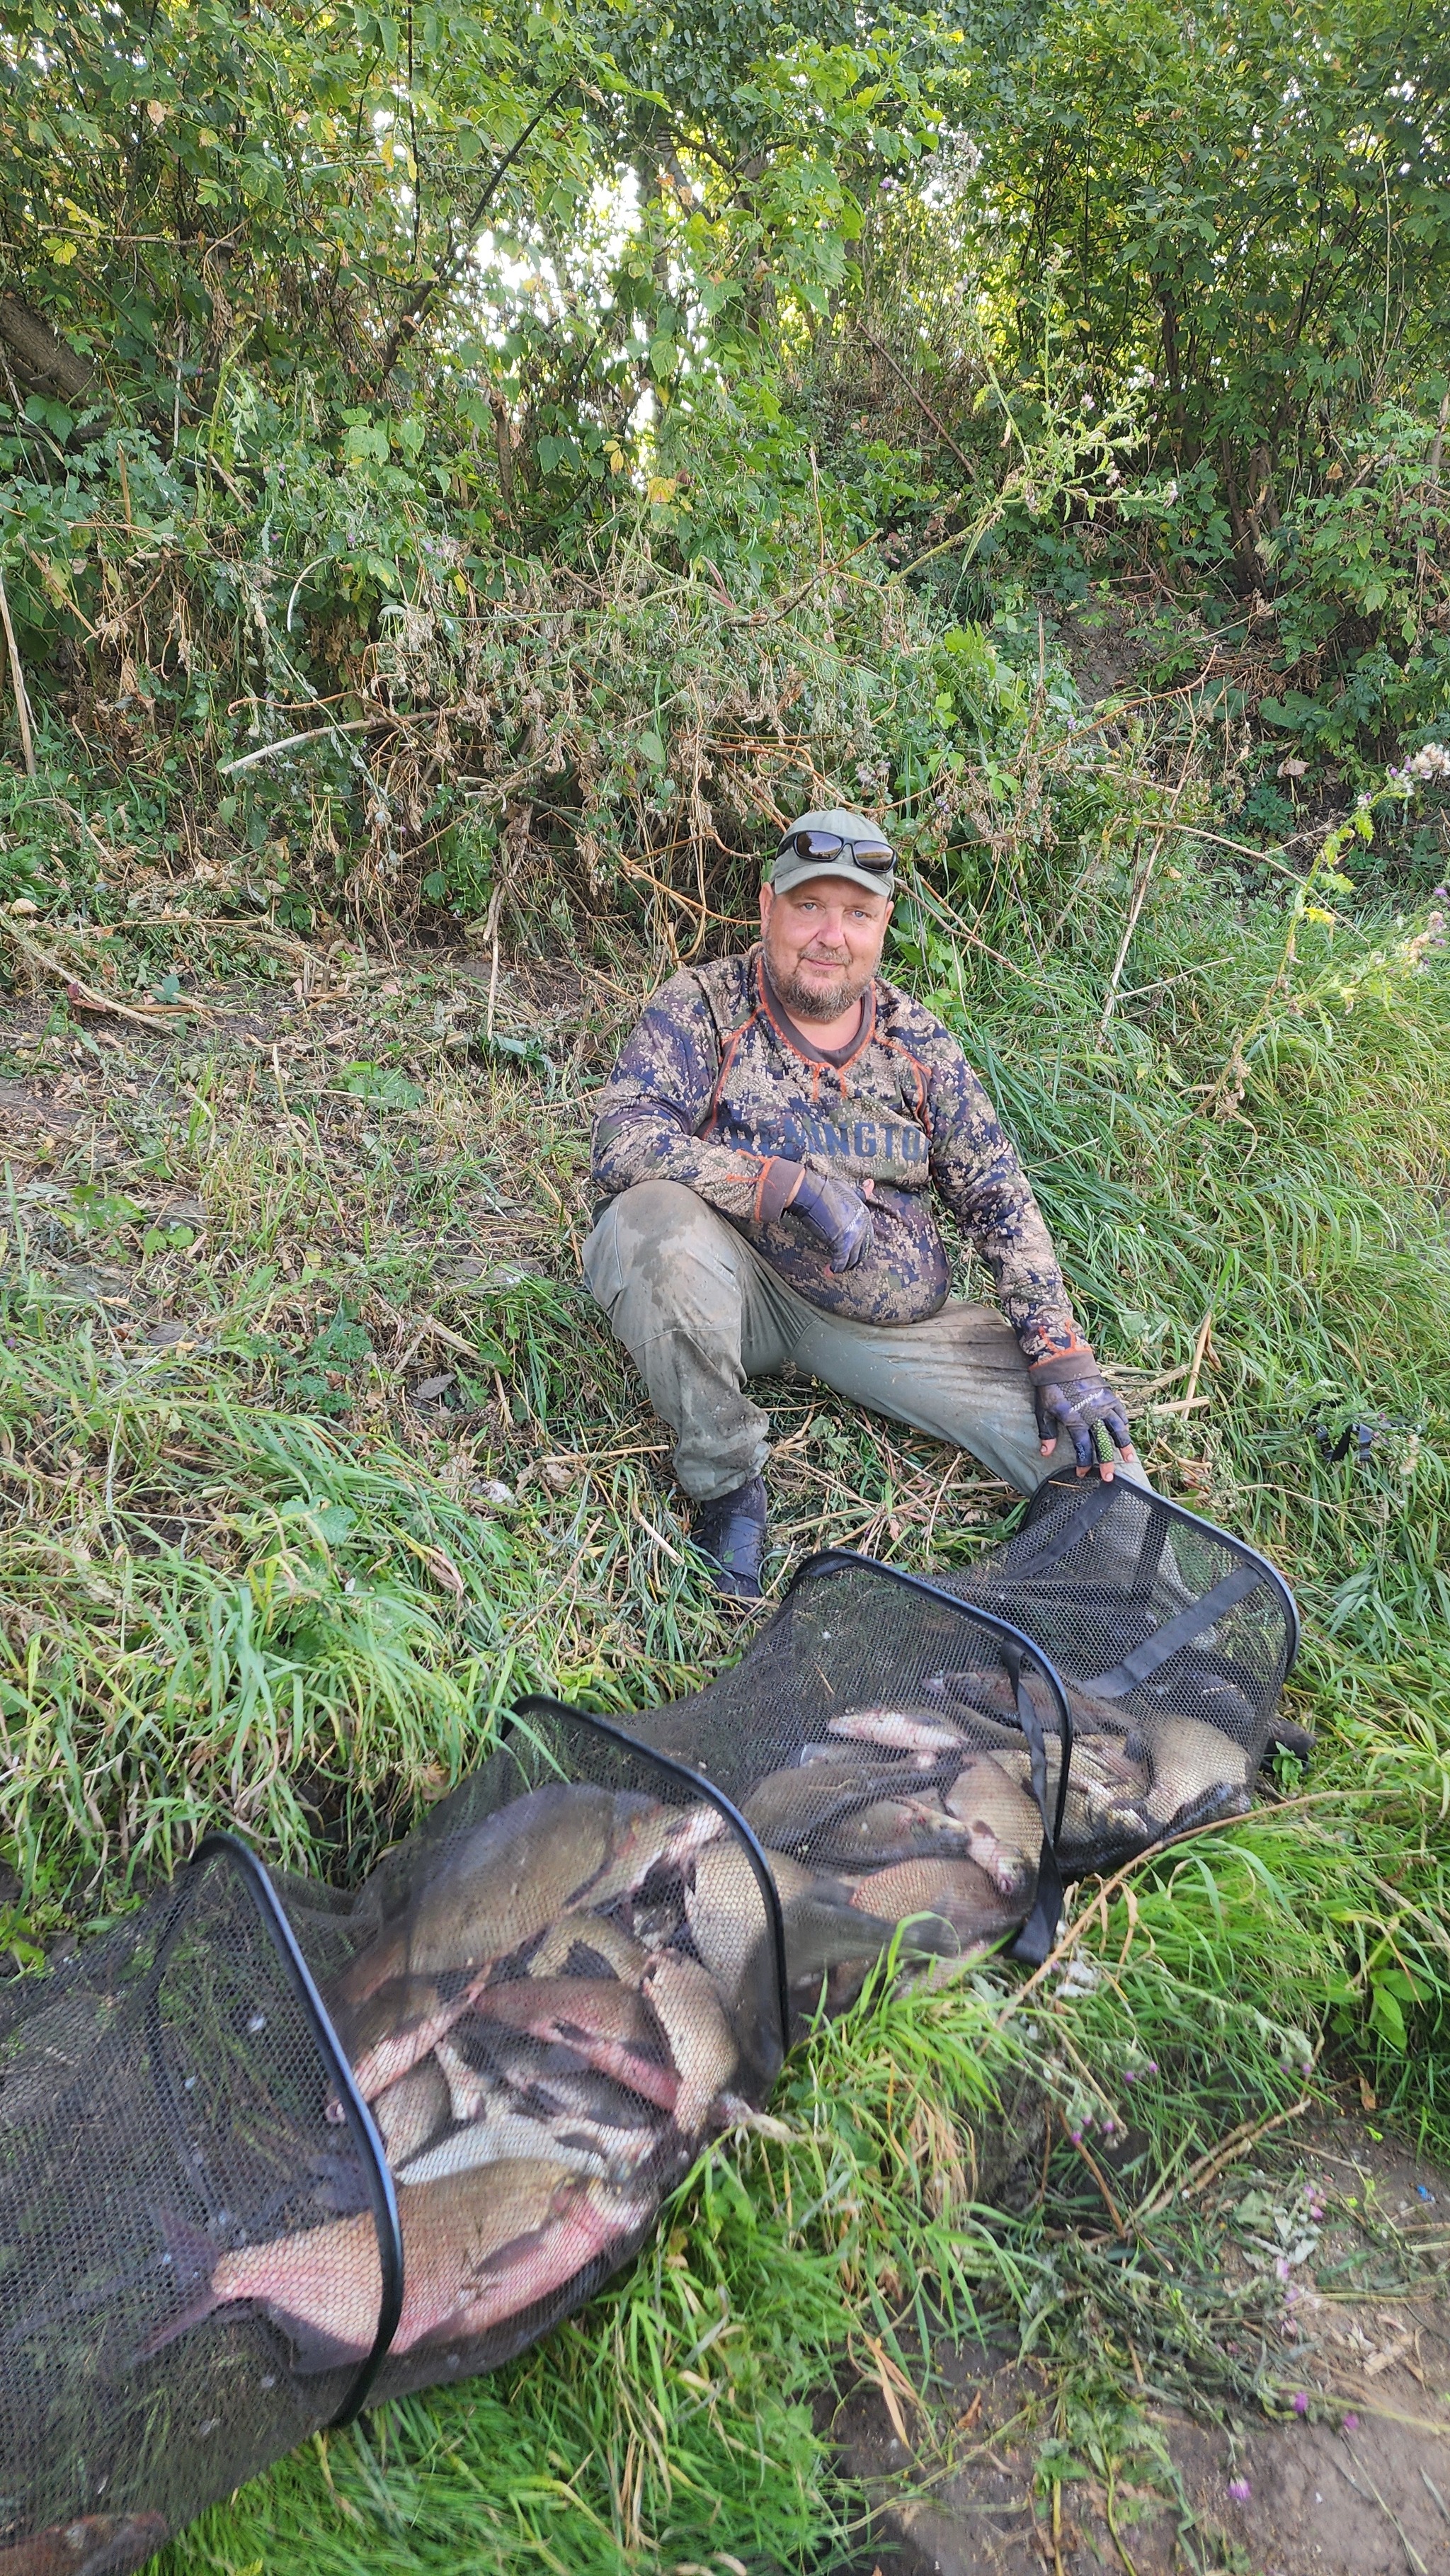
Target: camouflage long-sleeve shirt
point(717, 1088)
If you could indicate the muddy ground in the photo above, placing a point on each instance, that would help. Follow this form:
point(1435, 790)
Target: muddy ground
point(1358, 2485)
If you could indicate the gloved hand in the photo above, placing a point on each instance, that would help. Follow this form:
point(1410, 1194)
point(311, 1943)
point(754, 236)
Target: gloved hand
point(1072, 1395)
point(836, 1215)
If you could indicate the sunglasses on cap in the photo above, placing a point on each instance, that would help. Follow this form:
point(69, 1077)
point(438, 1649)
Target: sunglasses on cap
point(873, 855)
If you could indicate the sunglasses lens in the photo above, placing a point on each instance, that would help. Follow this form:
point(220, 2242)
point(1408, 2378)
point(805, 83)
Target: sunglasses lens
point(878, 861)
point(817, 845)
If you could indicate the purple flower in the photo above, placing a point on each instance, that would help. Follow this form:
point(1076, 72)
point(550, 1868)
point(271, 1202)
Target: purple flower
point(1239, 2490)
point(1350, 2424)
point(1301, 2402)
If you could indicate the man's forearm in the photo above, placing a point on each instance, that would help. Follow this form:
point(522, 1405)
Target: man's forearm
point(643, 1141)
point(1008, 1232)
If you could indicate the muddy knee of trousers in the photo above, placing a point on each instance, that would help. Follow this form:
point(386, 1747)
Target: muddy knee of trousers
point(670, 1275)
point(663, 1264)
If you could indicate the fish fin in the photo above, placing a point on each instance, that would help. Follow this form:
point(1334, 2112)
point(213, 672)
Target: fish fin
point(192, 2257)
point(732, 2111)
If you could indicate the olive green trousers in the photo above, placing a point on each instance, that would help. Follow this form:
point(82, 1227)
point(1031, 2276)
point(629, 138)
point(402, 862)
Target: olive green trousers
point(701, 1314)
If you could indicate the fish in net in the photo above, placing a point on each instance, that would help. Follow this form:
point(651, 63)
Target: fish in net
point(269, 2153)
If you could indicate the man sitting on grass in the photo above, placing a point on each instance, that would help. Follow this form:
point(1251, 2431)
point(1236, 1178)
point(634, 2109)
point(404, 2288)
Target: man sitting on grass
point(771, 1140)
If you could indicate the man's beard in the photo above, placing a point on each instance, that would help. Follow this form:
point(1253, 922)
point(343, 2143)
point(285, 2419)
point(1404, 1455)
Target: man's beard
point(806, 1002)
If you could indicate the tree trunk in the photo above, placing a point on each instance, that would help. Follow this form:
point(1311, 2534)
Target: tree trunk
point(43, 361)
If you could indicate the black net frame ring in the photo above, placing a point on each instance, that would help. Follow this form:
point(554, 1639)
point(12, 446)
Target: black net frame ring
point(1194, 1521)
point(829, 1560)
point(699, 1787)
point(382, 2192)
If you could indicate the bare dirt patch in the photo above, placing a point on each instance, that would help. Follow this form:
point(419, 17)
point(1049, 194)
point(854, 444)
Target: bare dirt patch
point(1028, 2477)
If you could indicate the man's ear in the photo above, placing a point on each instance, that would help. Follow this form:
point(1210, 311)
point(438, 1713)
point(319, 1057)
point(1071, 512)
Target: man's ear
point(767, 897)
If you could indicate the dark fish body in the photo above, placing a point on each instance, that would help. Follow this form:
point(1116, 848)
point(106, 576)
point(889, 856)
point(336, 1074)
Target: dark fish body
point(571, 2008)
point(1218, 1699)
point(1198, 1772)
point(890, 1829)
point(405, 2043)
point(400, 2004)
point(1002, 1823)
point(989, 1691)
point(788, 1806)
point(504, 1884)
point(584, 1944)
point(95, 2544)
point(727, 1912)
point(657, 1838)
point(1105, 1788)
point(957, 1891)
point(551, 2081)
point(821, 1936)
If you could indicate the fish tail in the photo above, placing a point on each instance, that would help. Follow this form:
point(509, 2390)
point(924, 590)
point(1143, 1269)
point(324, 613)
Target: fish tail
point(193, 2258)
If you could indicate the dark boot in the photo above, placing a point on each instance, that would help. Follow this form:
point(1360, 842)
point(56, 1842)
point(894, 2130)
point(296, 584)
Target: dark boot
point(730, 1532)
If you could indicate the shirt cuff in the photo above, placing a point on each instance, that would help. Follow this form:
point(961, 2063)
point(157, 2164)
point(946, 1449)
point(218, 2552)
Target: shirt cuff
point(777, 1179)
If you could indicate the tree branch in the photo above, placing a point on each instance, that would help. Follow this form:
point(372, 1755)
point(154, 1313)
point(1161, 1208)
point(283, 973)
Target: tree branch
point(406, 326)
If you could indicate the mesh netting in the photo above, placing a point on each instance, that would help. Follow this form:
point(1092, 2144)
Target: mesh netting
point(909, 1737)
point(212, 2247)
point(1173, 1641)
point(265, 2153)
point(161, 2107)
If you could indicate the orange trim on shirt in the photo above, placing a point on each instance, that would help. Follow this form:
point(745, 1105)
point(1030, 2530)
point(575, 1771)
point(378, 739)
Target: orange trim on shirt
point(730, 1051)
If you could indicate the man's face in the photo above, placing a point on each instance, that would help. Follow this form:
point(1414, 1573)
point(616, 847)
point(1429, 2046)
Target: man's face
point(823, 943)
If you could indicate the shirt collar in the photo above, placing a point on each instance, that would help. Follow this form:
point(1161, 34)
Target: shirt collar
point(785, 1027)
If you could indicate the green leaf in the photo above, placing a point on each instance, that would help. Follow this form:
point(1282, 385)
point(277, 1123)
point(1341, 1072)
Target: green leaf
point(379, 1085)
point(1386, 2017)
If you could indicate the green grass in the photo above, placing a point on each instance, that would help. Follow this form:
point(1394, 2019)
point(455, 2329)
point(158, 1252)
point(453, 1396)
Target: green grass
point(246, 1581)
